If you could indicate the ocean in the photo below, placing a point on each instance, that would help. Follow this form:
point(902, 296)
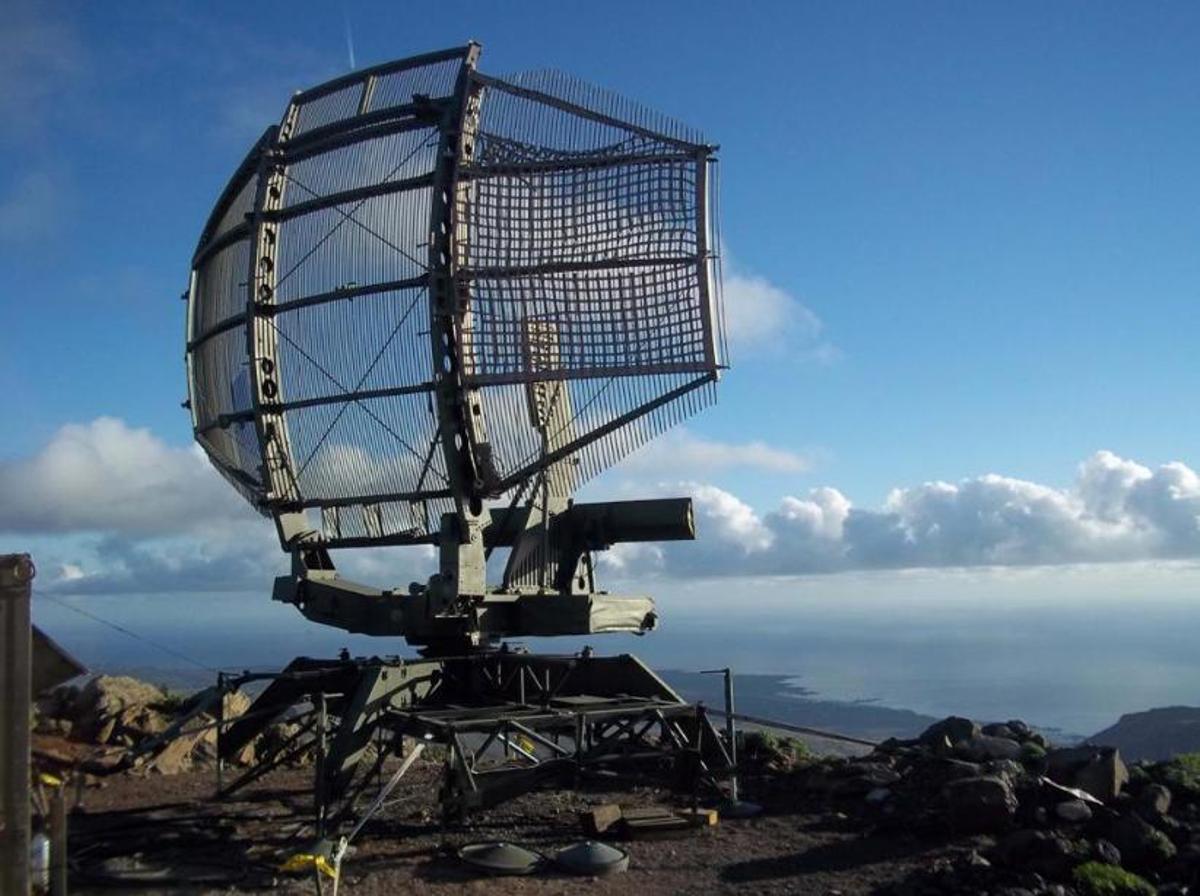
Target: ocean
point(1067, 667)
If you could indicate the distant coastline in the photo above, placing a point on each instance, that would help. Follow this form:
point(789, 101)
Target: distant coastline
point(777, 697)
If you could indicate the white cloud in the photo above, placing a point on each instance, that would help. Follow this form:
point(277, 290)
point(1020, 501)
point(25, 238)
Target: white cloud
point(682, 452)
point(107, 508)
point(1116, 510)
point(113, 509)
point(107, 477)
point(760, 315)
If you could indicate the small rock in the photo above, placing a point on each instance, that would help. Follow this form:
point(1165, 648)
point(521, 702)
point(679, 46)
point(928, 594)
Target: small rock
point(1021, 730)
point(1154, 801)
point(1014, 771)
point(999, 729)
point(877, 774)
point(953, 769)
point(1142, 845)
point(1074, 811)
point(105, 732)
point(175, 757)
point(1105, 852)
point(984, 804)
point(1040, 852)
point(953, 728)
point(878, 795)
point(983, 747)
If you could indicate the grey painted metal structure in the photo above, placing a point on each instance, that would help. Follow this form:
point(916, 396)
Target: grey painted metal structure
point(510, 722)
point(16, 582)
point(427, 307)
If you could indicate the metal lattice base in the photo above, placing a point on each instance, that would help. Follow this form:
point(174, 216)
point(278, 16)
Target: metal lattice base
point(509, 722)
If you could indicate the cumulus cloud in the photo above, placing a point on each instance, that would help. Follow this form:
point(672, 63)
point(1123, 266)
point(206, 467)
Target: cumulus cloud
point(114, 509)
point(761, 315)
point(1116, 510)
point(105, 476)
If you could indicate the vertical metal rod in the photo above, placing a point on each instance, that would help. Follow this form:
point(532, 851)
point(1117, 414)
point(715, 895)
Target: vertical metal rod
point(16, 579)
point(58, 842)
point(220, 764)
point(731, 734)
point(730, 728)
point(319, 790)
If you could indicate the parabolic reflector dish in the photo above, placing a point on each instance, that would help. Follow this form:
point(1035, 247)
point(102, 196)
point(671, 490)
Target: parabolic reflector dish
point(428, 286)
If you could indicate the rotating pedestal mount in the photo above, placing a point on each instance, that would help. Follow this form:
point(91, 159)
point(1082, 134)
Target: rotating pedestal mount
point(428, 306)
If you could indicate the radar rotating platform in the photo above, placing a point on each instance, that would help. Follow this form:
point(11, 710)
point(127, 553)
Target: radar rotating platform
point(429, 305)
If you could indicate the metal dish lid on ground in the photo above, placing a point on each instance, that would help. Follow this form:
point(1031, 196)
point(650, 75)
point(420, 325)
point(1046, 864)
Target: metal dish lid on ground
point(592, 857)
point(500, 858)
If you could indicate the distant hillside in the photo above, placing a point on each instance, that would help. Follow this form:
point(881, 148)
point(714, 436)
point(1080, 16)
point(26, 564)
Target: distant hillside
point(1154, 734)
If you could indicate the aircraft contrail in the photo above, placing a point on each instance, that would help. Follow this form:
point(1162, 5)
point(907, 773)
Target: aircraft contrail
point(349, 39)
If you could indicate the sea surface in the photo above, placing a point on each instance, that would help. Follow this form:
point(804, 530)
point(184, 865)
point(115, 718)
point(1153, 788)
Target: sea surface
point(1073, 669)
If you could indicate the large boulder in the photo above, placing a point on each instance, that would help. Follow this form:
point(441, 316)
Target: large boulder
point(1098, 770)
point(985, 804)
point(95, 710)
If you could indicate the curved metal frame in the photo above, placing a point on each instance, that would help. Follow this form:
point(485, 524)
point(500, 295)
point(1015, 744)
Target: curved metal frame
point(450, 278)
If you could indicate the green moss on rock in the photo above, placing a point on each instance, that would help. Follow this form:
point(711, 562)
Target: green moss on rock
point(1182, 774)
point(1098, 879)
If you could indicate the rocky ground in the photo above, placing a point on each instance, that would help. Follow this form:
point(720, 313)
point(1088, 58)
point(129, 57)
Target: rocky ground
point(962, 808)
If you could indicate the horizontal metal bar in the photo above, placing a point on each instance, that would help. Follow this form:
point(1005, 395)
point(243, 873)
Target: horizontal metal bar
point(386, 68)
point(357, 395)
point(279, 407)
point(583, 373)
point(398, 540)
point(582, 111)
point(360, 128)
point(476, 170)
point(616, 423)
point(351, 292)
point(346, 196)
point(566, 267)
point(798, 729)
point(233, 235)
point(222, 326)
point(333, 295)
point(283, 504)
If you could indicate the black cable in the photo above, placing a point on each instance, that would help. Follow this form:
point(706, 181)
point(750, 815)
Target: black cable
point(41, 595)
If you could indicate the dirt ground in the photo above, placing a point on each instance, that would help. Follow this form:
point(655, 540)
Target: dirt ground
point(170, 831)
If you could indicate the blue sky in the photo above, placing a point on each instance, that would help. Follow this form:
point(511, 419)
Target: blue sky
point(961, 241)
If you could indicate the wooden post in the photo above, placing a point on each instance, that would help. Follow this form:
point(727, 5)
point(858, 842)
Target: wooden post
point(16, 582)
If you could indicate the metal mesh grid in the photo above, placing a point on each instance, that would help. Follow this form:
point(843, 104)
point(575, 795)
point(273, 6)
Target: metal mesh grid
point(350, 317)
point(375, 94)
point(584, 218)
point(581, 225)
point(609, 323)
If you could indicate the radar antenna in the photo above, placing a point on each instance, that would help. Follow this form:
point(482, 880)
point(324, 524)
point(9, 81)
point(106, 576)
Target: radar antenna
point(429, 305)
